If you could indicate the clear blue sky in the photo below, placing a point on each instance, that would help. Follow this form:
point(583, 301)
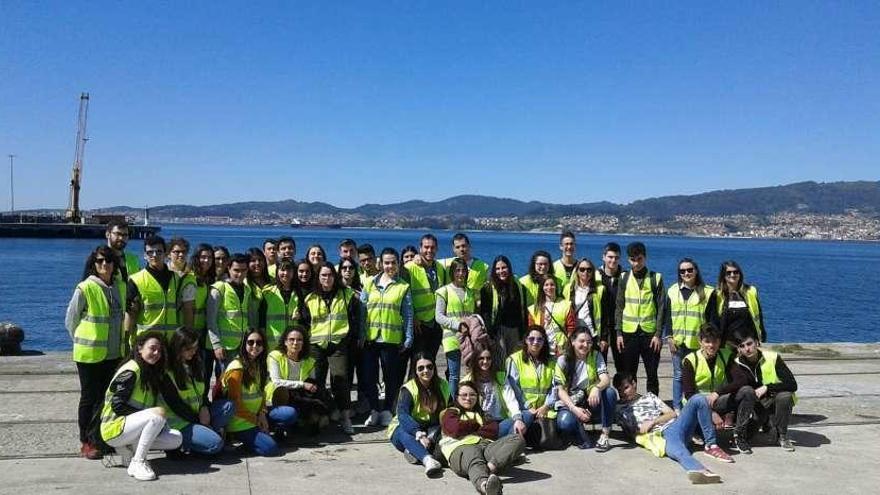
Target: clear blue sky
point(350, 102)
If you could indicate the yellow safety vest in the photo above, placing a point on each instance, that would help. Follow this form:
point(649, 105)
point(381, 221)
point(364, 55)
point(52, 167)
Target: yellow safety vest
point(251, 396)
point(160, 307)
point(132, 263)
point(384, 321)
point(534, 385)
point(191, 396)
point(562, 277)
point(478, 273)
point(530, 289)
point(306, 371)
point(751, 297)
point(449, 444)
point(280, 316)
point(687, 315)
point(90, 338)
point(111, 423)
point(559, 313)
point(639, 309)
point(422, 293)
point(592, 373)
point(329, 322)
point(419, 413)
point(705, 379)
point(768, 370)
point(455, 308)
point(232, 315)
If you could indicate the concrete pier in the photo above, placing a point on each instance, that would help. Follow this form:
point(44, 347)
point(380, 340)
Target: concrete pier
point(836, 427)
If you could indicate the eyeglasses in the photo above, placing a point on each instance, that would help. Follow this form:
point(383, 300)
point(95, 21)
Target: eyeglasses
point(103, 261)
point(467, 396)
point(252, 343)
point(585, 269)
point(732, 273)
point(154, 252)
point(535, 340)
point(425, 367)
point(682, 271)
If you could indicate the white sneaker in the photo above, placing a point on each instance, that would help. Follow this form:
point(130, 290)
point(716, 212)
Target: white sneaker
point(141, 471)
point(373, 419)
point(432, 466)
point(125, 453)
point(385, 418)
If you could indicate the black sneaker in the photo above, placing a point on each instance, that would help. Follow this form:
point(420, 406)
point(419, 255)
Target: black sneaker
point(741, 445)
point(785, 443)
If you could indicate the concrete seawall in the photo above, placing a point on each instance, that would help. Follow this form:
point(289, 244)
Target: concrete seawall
point(836, 425)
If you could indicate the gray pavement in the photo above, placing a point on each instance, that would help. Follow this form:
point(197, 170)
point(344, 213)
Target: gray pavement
point(836, 426)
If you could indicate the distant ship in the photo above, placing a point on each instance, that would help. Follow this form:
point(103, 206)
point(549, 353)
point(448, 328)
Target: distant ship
point(310, 225)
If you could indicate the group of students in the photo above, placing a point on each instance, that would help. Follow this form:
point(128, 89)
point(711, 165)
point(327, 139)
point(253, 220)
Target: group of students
point(186, 352)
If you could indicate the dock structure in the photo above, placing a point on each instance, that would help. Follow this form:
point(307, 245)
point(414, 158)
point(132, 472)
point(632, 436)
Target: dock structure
point(836, 426)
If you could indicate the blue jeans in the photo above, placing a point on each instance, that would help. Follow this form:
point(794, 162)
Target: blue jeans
point(678, 434)
point(200, 439)
point(389, 357)
point(262, 443)
point(506, 427)
point(453, 367)
point(604, 412)
point(404, 441)
point(677, 357)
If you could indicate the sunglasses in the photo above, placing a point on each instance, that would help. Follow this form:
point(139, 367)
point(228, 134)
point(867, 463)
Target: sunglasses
point(252, 342)
point(154, 252)
point(347, 267)
point(103, 261)
point(585, 269)
point(535, 340)
point(731, 273)
point(425, 367)
point(685, 270)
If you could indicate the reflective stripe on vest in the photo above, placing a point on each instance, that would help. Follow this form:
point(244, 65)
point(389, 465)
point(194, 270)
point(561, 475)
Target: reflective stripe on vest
point(534, 386)
point(251, 397)
point(159, 312)
point(707, 380)
point(449, 444)
point(113, 424)
point(422, 292)
point(232, 315)
point(329, 323)
point(458, 309)
point(639, 310)
point(279, 316)
point(687, 315)
point(90, 338)
point(384, 321)
point(419, 413)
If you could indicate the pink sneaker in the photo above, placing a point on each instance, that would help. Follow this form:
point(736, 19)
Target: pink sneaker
point(716, 452)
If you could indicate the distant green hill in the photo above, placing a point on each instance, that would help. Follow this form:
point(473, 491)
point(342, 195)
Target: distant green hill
point(802, 197)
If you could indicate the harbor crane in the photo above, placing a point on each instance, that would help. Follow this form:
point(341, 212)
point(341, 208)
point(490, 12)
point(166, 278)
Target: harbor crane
point(73, 213)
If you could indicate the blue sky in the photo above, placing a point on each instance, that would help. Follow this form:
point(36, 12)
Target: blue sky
point(356, 102)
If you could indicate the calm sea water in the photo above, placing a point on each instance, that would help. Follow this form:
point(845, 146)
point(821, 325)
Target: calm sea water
point(810, 291)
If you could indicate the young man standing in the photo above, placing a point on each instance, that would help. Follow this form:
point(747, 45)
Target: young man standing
point(760, 383)
point(563, 268)
point(153, 293)
point(609, 276)
point(178, 263)
point(270, 250)
point(366, 258)
point(347, 249)
point(230, 311)
point(425, 275)
point(478, 270)
point(639, 315)
point(286, 249)
point(117, 234)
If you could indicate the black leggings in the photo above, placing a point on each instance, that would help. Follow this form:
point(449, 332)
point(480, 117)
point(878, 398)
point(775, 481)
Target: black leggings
point(94, 378)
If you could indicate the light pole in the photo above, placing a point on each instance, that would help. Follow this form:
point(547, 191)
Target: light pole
point(11, 183)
